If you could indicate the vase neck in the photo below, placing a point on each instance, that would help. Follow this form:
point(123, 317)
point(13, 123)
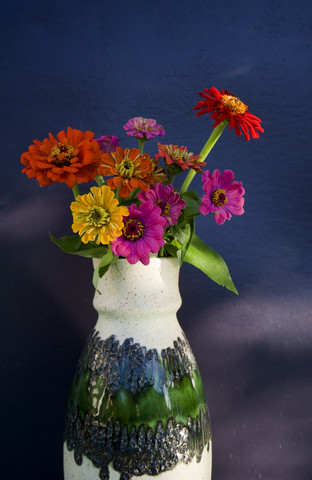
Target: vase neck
point(139, 290)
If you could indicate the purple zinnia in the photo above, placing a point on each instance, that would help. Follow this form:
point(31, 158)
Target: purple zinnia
point(169, 202)
point(223, 196)
point(108, 143)
point(142, 233)
point(146, 128)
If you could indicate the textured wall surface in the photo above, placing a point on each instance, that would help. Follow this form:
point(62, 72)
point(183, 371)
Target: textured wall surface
point(93, 65)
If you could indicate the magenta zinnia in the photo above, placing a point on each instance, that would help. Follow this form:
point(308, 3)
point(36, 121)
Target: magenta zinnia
point(146, 128)
point(169, 202)
point(108, 143)
point(223, 196)
point(142, 234)
point(226, 106)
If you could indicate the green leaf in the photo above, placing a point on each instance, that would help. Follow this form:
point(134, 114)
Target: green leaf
point(210, 262)
point(73, 244)
point(172, 249)
point(192, 204)
point(183, 234)
point(102, 267)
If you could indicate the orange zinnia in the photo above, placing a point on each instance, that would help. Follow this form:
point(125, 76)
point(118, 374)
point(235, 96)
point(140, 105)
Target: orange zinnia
point(71, 157)
point(129, 168)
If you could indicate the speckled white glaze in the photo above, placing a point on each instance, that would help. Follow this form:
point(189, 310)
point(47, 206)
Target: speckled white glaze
point(140, 302)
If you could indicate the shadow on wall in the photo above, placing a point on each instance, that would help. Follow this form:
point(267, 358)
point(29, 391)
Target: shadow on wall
point(262, 412)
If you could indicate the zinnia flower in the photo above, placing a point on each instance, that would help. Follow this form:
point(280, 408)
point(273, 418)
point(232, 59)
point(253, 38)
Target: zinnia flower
point(108, 143)
point(223, 196)
point(146, 128)
point(71, 157)
point(179, 157)
point(169, 202)
point(130, 169)
point(97, 216)
point(227, 107)
point(158, 174)
point(142, 234)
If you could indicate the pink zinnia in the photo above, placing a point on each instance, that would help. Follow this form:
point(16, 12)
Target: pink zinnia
point(223, 196)
point(169, 202)
point(108, 143)
point(146, 128)
point(142, 233)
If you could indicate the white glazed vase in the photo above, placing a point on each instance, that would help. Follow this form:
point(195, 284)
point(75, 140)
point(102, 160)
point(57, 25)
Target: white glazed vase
point(137, 407)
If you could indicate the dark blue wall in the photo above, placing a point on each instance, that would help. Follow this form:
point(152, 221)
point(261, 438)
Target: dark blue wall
point(93, 65)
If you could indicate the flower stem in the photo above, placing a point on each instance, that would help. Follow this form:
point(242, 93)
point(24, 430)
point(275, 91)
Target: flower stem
point(117, 194)
point(161, 252)
point(99, 180)
point(141, 144)
point(133, 193)
point(75, 190)
point(214, 137)
point(171, 177)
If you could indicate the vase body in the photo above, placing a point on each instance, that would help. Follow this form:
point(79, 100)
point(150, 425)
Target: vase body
point(137, 407)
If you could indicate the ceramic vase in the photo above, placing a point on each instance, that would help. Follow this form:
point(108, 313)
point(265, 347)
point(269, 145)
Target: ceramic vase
point(137, 408)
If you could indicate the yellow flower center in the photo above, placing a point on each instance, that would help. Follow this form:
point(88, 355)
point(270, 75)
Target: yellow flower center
point(62, 154)
point(219, 198)
point(143, 124)
point(234, 104)
point(126, 168)
point(98, 216)
point(133, 230)
point(164, 206)
point(179, 154)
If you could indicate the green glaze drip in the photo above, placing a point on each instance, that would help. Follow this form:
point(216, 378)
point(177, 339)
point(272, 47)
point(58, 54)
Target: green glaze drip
point(176, 393)
point(180, 401)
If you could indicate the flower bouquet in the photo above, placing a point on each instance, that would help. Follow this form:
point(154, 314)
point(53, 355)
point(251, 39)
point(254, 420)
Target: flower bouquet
point(137, 405)
point(135, 211)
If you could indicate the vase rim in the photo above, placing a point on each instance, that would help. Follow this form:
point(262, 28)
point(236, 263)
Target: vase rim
point(152, 260)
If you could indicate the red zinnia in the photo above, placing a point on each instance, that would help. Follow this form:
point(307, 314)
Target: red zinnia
point(227, 107)
point(71, 157)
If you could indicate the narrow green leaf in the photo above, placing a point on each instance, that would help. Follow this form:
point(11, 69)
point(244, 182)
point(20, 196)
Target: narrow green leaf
point(72, 244)
point(186, 245)
point(183, 235)
point(102, 267)
point(210, 262)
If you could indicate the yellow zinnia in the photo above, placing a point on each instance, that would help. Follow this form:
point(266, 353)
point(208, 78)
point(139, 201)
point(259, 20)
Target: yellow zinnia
point(97, 216)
